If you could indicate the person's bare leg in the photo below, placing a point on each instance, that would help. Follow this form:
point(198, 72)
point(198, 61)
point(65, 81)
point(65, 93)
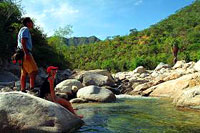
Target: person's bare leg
point(23, 81)
point(67, 105)
point(32, 79)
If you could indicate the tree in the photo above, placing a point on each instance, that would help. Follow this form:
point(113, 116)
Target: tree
point(133, 31)
point(63, 32)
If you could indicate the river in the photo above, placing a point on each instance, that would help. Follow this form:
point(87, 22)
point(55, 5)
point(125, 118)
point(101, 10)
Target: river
point(137, 115)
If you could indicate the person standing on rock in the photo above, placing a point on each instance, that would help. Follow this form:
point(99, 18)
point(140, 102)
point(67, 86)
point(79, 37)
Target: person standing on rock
point(175, 49)
point(29, 66)
point(47, 90)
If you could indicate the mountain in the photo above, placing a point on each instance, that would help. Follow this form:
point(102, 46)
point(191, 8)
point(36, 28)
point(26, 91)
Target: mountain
point(145, 48)
point(81, 40)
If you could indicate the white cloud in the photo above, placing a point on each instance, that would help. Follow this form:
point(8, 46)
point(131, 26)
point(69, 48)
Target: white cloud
point(50, 14)
point(61, 11)
point(138, 2)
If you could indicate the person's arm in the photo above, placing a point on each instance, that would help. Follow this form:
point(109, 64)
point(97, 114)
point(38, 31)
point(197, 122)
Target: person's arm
point(26, 53)
point(52, 92)
point(25, 36)
point(24, 46)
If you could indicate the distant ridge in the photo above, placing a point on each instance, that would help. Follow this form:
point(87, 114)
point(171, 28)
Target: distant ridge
point(76, 41)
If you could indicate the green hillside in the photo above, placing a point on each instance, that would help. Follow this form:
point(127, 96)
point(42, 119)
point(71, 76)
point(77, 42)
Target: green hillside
point(148, 47)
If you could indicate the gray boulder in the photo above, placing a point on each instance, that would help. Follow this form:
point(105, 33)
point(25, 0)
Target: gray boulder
point(81, 74)
point(63, 75)
point(96, 94)
point(7, 77)
point(95, 79)
point(40, 77)
point(24, 112)
point(13, 68)
point(67, 85)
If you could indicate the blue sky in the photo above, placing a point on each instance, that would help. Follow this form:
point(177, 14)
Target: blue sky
point(101, 18)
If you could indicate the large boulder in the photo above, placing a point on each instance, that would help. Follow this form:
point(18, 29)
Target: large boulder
point(7, 77)
point(103, 72)
point(13, 68)
point(95, 79)
point(7, 84)
point(40, 77)
point(67, 85)
point(172, 88)
point(79, 75)
point(96, 94)
point(24, 112)
point(63, 75)
point(189, 98)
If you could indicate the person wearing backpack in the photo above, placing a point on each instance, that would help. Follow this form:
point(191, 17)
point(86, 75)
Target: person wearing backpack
point(29, 66)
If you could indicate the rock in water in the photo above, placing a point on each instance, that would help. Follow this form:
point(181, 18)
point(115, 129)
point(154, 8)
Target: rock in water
point(24, 112)
point(97, 94)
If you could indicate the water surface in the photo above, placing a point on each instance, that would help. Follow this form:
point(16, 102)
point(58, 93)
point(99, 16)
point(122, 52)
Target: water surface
point(137, 115)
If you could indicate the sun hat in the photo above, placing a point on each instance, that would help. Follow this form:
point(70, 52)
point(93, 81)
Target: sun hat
point(51, 68)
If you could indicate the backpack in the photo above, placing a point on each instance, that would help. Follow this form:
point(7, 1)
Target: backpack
point(17, 56)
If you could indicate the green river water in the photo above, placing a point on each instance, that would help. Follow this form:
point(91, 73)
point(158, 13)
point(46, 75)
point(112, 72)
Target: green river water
point(138, 115)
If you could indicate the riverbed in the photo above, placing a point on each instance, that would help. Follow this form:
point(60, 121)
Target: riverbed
point(131, 114)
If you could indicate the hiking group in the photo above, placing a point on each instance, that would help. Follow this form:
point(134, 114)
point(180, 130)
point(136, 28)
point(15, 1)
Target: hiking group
point(29, 67)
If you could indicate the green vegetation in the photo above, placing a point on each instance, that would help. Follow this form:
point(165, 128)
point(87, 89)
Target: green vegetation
point(148, 47)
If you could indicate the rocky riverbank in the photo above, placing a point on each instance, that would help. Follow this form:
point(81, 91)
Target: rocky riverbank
point(181, 83)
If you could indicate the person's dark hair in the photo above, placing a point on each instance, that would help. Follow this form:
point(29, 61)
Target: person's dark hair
point(26, 20)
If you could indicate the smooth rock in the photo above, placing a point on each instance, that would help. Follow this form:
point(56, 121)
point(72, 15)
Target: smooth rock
point(95, 79)
point(66, 86)
point(173, 87)
point(189, 98)
point(27, 113)
point(96, 94)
